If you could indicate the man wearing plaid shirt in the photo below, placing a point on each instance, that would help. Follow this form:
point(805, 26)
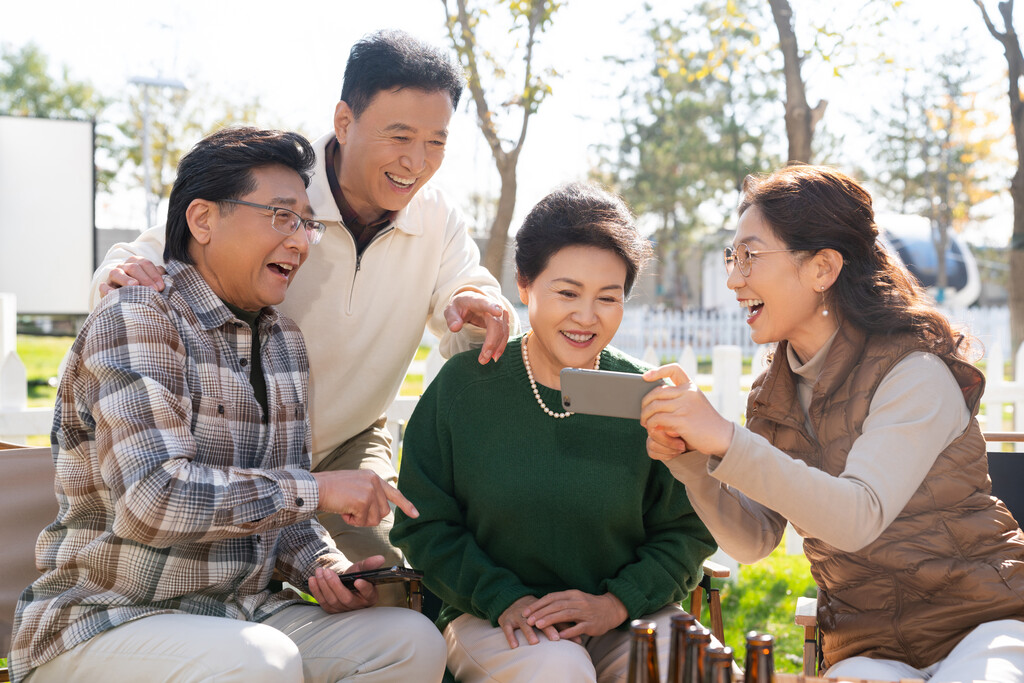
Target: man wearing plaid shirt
point(182, 452)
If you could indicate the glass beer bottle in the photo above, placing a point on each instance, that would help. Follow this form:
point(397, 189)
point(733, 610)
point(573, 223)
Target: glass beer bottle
point(643, 652)
point(718, 665)
point(698, 640)
point(760, 661)
point(677, 648)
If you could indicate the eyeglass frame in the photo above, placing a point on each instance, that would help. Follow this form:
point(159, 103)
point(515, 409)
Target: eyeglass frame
point(731, 258)
point(313, 234)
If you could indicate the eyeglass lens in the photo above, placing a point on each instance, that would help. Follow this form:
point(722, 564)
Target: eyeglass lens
point(285, 221)
point(740, 256)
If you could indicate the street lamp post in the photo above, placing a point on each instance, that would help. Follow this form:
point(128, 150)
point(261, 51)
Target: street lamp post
point(145, 83)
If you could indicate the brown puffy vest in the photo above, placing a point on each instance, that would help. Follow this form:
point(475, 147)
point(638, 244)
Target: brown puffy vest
point(954, 556)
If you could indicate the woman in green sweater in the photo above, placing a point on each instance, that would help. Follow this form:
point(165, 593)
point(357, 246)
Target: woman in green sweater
point(544, 532)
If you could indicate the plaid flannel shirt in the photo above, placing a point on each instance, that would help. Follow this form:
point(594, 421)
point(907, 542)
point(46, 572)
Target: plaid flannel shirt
point(175, 494)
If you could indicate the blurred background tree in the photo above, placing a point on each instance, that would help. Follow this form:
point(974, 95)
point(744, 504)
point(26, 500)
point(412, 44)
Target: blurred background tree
point(504, 71)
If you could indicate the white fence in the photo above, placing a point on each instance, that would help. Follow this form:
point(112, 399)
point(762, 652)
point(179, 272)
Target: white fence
point(669, 332)
point(654, 335)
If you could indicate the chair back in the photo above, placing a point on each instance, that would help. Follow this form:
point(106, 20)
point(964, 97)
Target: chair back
point(1006, 470)
point(1007, 473)
point(27, 504)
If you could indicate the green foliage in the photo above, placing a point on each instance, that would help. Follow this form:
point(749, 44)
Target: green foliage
point(764, 599)
point(27, 88)
point(177, 120)
point(695, 128)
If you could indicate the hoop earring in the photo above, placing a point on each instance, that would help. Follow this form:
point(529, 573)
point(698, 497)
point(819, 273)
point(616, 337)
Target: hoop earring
point(824, 304)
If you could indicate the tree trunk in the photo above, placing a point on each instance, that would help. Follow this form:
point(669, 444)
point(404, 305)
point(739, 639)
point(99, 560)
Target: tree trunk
point(460, 30)
point(494, 254)
point(1017, 256)
point(800, 118)
point(1015, 64)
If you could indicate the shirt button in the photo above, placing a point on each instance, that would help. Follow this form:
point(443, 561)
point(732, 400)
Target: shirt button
point(258, 538)
point(243, 361)
point(220, 410)
point(299, 502)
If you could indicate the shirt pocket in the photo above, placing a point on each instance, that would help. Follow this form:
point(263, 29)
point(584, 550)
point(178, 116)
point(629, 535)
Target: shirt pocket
point(211, 430)
point(290, 428)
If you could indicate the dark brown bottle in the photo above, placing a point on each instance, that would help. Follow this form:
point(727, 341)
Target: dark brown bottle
point(760, 662)
point(698, 639)
point(677, 648)
point(718, 665)
point(643, 652)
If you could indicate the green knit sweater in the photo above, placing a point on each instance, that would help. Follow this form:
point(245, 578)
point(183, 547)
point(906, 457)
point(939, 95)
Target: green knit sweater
point(514, 502)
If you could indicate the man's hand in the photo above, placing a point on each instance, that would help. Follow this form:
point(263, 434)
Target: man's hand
point(134, 271)
point(359, 496)
point(334, 597)
point(484, 312)
point(582, 614)
point(512, 618)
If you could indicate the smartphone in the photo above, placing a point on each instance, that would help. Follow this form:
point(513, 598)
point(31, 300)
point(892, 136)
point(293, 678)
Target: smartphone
point(604, 392)
point(382, 575)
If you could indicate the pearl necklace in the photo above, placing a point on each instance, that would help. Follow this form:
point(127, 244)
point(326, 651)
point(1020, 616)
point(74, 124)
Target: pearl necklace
point(533, 384)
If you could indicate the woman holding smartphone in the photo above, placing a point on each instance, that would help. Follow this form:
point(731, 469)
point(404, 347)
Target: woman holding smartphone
point(862, 432)
point(542, 531)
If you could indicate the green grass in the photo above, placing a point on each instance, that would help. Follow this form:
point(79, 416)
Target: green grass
point(41, 357)
point(763, 598)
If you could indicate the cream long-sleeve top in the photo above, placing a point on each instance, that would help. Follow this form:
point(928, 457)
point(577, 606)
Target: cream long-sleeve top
point(363, 315)
point(746, 496)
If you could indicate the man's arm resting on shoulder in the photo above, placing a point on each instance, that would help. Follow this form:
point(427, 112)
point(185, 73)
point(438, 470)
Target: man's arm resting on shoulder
point(149, 246)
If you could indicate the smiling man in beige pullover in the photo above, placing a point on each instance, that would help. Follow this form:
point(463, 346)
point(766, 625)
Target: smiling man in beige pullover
point(396, 255)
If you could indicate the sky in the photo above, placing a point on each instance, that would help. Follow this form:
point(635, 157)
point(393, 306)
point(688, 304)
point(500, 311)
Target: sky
point(292, 55)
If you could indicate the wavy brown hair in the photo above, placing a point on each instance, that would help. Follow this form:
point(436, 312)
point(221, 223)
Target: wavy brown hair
point(811, 208)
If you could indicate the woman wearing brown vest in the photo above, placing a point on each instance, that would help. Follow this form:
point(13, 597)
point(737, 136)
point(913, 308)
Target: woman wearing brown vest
point(862, 433)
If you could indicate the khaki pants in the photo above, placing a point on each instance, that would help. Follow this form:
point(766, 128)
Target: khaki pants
point(300, 643)
point(478, 652)
point(368, 450)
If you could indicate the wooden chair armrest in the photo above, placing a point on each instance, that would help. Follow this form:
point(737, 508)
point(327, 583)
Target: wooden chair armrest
point(1012, 437)
point(715, 570)
point(806, 611)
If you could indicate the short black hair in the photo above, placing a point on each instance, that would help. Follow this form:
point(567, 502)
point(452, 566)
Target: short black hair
point(220, 167)
point(584, 215)
point(393, 60)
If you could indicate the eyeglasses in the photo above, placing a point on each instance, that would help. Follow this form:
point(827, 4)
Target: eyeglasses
point(286, 221)
point(742, 257)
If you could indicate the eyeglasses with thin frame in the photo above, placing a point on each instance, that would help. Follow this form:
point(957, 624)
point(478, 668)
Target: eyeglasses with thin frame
point(742, 257)
point(286, 221)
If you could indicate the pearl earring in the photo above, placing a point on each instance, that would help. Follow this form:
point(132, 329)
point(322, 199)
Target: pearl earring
point(824, 306)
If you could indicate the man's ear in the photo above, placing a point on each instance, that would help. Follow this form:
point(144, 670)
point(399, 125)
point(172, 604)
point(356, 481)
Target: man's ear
point(201, 216)
point(343, 117)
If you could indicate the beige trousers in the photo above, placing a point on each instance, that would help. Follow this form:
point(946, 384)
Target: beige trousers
point(368, 450)
point(478, 652)
point(301, 643)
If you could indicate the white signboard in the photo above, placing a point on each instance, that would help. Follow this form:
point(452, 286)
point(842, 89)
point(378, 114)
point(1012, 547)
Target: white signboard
point(47, 200)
